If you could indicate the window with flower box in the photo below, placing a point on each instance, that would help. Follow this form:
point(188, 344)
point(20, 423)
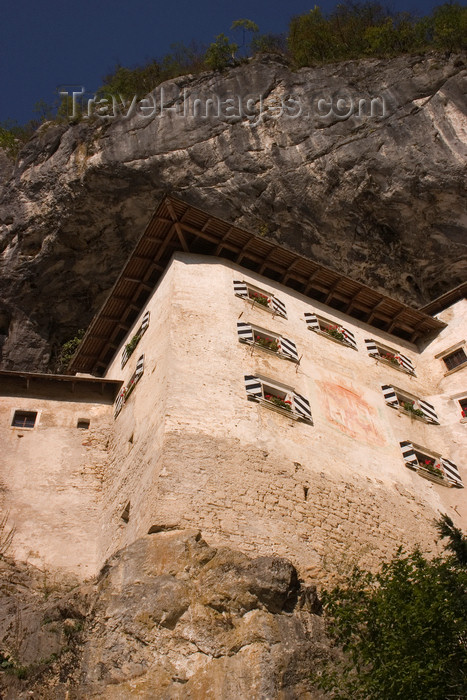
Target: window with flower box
point(260, 298)
point(131, 345)
point(330, 329)
point(279, 397)
point(410, 404)
point(389, 356)
point(271, 342)
point(431, 465)
point(463, 407)
point(126, 391)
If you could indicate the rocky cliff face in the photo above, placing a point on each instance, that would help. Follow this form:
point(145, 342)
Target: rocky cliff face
point(168, 618)
point(375, 189)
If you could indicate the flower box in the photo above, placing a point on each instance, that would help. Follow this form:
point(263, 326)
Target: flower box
point(431, 476)
point(277, 401)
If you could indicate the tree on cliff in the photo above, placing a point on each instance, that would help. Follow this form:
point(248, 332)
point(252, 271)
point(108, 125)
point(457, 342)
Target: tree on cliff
point(403, 630)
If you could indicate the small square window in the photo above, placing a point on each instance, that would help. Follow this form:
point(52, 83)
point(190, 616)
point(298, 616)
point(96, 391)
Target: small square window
point(24, 419)
point(274, 395)
point(389, 356)
point(463, 405)
point(83, 424)
point(331, 329)
point(260, 297)
point(455, 359)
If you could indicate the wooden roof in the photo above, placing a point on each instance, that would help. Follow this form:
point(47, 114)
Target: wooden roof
point(178, 226)
point(445, 300)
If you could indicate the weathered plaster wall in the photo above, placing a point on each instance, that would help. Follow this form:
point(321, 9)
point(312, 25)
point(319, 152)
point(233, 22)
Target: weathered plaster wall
point(51, 481)
point(333, 492)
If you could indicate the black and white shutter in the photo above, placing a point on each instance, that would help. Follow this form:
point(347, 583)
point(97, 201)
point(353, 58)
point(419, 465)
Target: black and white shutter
point(119, 402)
point(371, 346)
point(452, 472)
point(389, 395)
point(253, 386)
point(245, 332)
point(406, 363)
point(349, 338)
point(428, 411)
point(125, 357)
point(240, 288)
point(408, 453)
point(301, 405)
point(311, 321)
point(279, 306)
point(139, 368)
point(289, 348)
point(144, 323)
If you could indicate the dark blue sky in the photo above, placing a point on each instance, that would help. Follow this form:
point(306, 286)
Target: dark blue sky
point(56, 42)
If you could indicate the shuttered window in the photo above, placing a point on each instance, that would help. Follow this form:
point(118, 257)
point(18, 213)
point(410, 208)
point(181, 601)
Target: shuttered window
point(260, 298)
point(125, 391)
point(439, 469)
point(269, 341)
point(330, 329)
point(421, 409)
point(284, 399)
point(131, 345)
point(388, 356)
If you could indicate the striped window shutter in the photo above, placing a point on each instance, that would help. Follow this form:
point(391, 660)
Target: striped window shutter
point(389, 395)
point(240, 288)
point(349, 338)
point(253, 386)
point(144, 323)
point(311, 321)
point(124, 357)
point(428, 411)
point(408, 453)
point(245, 332)
point(371, 346)
point(301, 406)
point(452, 472)
point(279, 307)
point(406, 363)
point(119, 402)
point(289, 348)
point(139, 367)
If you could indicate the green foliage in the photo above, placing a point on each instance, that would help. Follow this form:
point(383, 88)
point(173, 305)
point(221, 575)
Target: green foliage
point(221, 53)
point(68, 349)
point(457, 541)
point(245, 26)
point(449, 24)
point(130, 347)
point(128, 82)
point(403, 630)
point(269, 43)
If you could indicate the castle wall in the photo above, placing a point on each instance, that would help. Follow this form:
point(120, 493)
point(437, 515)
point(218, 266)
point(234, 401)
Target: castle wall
point(330, 492)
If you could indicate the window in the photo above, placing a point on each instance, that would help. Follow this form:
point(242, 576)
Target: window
point(259, 337)
point(24, 419)
point(407, 403)
point(126, 391)
point(463, 405)
point(83, 424)
point(330, 329)
point(260, 298)
point(455, 359)
point(131, 345)
point(431, 465)
point(278, 397)
point(389, 356)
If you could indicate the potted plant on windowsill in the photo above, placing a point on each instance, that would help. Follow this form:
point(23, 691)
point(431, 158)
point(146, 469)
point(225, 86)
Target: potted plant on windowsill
point(410, 408)
point(268, 343)
point(260, 298)
point(277, 401)
point(393, 359)
point(431, 469)
point(132, 344)
point(335, 332)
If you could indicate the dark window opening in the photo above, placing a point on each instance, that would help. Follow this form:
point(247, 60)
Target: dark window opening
point(24, 419)
point(305, 493)
point(125, 516)
point(83, 424)
point(455, 359)
point(463, 405)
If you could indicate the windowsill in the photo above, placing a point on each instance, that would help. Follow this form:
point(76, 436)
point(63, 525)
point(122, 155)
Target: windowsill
point(463, 420)
point(17, 427)
point(456, 369)
point(277, 409)
point(335, 340)
point(282, 355)
point(413, 416)
point(426, 474)
point(397, 367)
point(254, 303)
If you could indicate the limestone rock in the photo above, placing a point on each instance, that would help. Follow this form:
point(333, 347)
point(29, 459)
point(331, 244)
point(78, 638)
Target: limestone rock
point(380, 198)
point(168, 618)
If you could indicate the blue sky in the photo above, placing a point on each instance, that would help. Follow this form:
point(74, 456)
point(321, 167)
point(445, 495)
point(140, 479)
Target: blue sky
point(59, 42)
